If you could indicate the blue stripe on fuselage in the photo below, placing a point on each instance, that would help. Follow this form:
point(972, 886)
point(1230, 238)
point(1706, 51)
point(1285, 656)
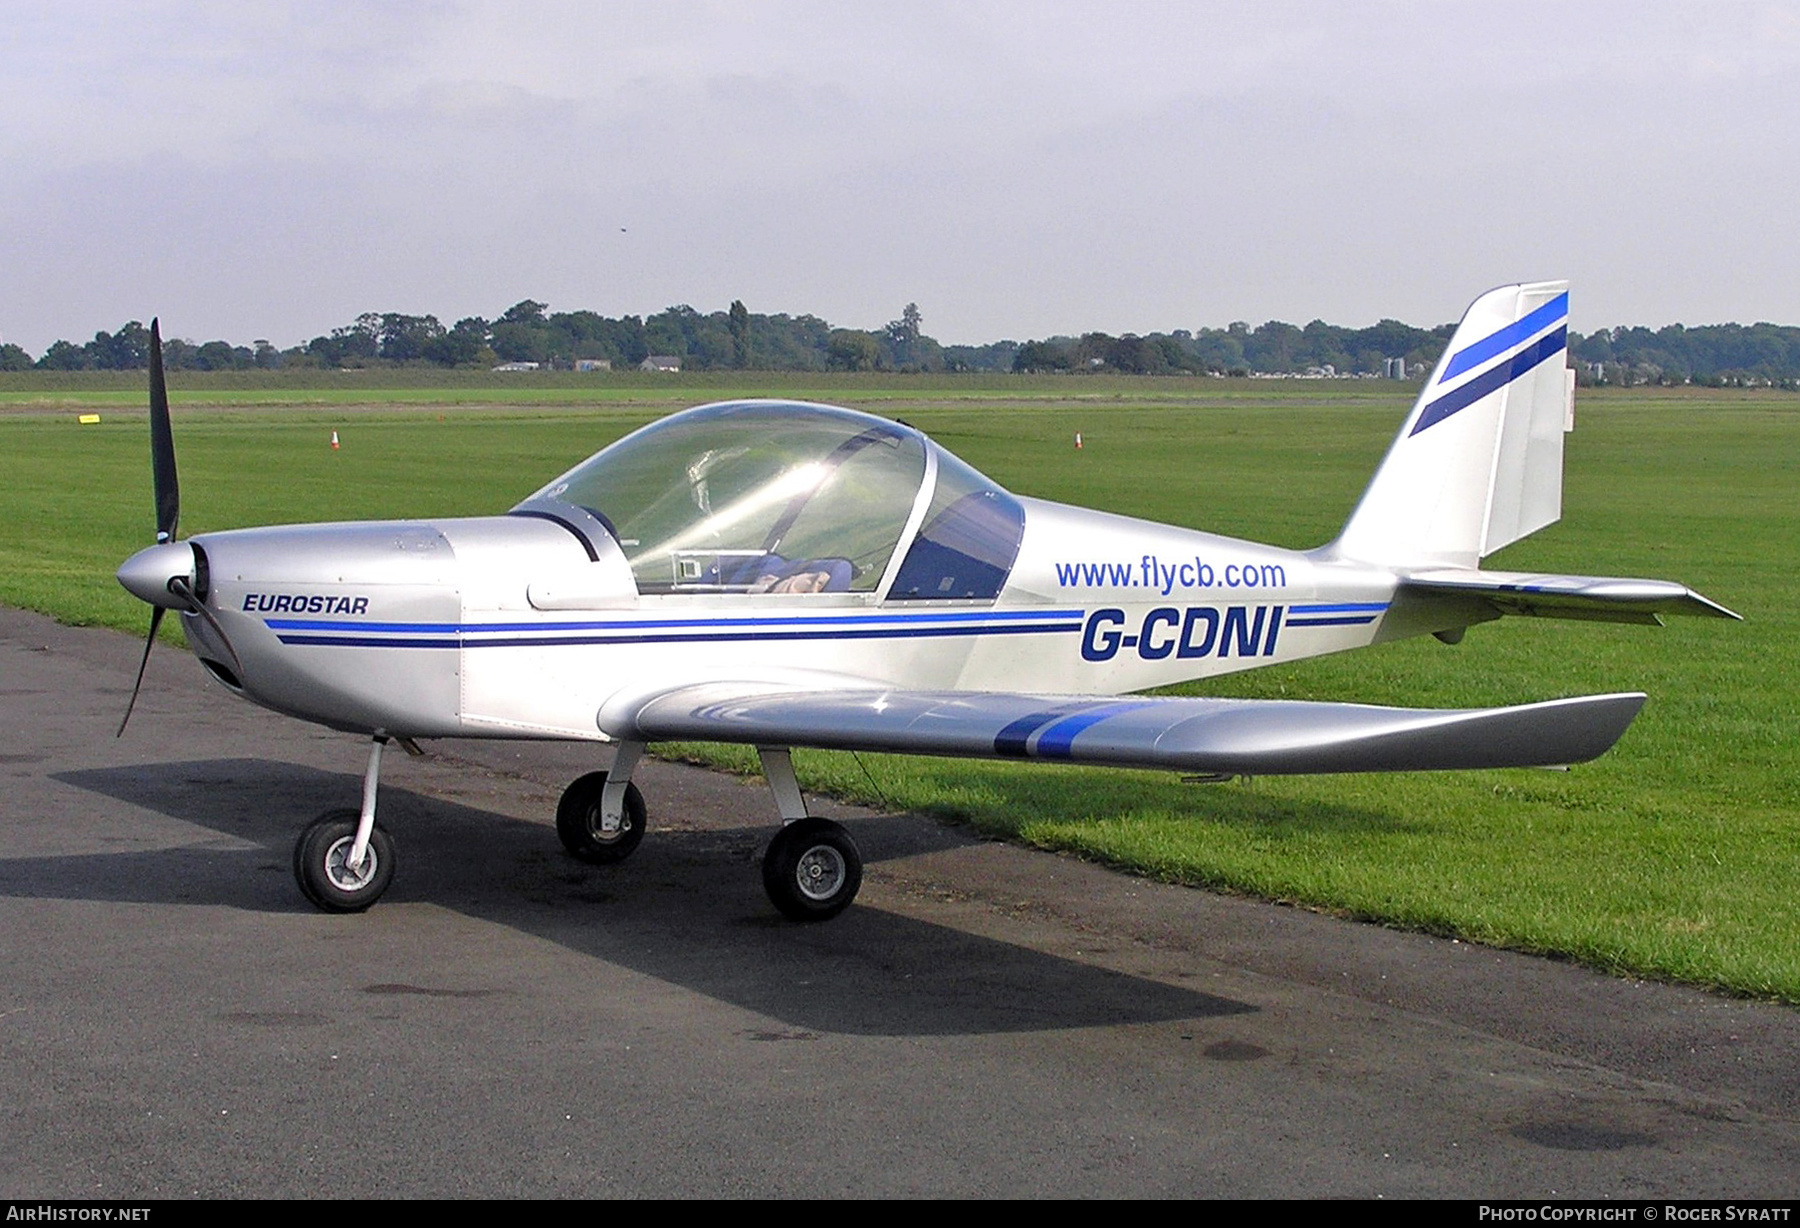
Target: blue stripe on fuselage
point(357, 634)
point(701, 637)
point(626, 624)
point(1336, 614)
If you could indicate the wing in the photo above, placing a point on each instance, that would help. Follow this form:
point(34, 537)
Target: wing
point(1601, 598)
point(1223, 736)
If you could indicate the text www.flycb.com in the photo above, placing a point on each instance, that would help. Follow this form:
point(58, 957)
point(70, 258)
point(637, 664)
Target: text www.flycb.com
point(1151, 572)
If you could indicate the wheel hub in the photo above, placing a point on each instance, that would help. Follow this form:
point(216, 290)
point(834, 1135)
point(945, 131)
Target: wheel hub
point(337, 866)
point(820, 872)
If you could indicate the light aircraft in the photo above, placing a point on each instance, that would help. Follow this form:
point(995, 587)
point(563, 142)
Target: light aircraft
point(783, 574)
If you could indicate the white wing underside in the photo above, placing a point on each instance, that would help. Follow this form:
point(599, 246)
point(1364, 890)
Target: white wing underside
point(1222, 736)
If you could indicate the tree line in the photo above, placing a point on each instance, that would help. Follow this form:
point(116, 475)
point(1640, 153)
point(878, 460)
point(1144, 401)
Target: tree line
point(529, 332)
point(1274, 348)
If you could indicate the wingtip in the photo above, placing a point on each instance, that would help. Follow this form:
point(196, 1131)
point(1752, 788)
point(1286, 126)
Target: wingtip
point(1705, 607)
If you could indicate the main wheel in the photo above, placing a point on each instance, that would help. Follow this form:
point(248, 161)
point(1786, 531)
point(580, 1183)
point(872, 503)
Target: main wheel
point(321, 863)
point(579, 828)
point(812, 870)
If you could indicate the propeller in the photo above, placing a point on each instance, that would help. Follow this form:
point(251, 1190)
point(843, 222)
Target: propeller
point(170, 574)
point(158, 574)
point(167, 489)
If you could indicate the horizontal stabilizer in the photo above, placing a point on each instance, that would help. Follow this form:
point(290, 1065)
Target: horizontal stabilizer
point(1601, 598)
point(1225, 736)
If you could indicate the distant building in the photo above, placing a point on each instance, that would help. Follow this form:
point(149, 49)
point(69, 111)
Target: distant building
point(593, 364)
point(517, 366)
point(1394, 368)
point(661, 362)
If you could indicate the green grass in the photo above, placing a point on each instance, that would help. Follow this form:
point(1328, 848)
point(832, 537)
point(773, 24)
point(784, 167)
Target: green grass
point(49, 390)
point(1673, 856)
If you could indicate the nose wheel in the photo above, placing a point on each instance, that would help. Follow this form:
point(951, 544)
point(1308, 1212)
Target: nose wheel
point(342, 861)
point(326, 871)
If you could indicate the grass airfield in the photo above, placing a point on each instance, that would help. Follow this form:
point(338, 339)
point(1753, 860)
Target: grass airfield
point(1674, 856)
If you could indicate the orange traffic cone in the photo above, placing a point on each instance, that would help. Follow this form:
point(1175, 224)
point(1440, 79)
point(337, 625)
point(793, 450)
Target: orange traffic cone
point(334, 442)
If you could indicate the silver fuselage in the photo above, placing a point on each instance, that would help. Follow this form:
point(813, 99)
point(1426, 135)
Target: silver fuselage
point(504, 626)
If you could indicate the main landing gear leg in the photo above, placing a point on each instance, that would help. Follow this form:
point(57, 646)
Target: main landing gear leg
point(812, 869)
point(600, 819)
point(342, 861)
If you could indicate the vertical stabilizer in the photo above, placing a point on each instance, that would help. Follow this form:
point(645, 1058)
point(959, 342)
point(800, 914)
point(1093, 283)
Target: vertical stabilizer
point(1478, 462)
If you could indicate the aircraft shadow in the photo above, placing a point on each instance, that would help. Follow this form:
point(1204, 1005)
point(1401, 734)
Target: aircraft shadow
point(688, 907)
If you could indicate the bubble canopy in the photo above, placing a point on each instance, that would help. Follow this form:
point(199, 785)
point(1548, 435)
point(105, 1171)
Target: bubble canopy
point(787, 497)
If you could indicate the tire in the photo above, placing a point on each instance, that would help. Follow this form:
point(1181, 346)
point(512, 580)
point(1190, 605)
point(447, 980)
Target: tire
point(578, 822)
point(319, 863)
point(812, 870)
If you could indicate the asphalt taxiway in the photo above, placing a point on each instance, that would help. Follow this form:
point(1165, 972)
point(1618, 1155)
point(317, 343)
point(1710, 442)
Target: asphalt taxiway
point(176, 1021)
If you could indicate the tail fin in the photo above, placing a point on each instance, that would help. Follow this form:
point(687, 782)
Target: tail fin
point(1478, 462)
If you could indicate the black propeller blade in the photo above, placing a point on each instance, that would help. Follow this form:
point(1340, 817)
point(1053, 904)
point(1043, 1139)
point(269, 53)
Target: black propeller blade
point(167, 489)
point(162, 445)
point(156, 613)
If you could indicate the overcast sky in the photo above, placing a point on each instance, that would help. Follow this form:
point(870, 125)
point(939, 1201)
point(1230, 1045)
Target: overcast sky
point(252, 169)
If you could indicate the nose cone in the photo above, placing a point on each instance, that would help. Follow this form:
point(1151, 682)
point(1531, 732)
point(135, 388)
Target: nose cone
point(147, 573)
